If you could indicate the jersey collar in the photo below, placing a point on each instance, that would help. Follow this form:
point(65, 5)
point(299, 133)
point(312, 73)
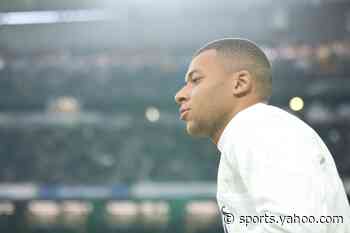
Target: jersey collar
point(225, 136)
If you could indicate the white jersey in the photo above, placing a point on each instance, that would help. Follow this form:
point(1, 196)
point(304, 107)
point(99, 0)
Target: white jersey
point(276, 175)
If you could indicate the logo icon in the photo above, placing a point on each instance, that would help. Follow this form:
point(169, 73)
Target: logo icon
point(228, 217)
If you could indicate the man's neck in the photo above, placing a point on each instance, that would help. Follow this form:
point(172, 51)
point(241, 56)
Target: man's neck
point(217, 134)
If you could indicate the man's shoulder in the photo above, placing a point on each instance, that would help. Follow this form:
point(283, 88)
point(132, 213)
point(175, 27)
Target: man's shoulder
point(267, 126)
point(277, 119)
point(271, 123)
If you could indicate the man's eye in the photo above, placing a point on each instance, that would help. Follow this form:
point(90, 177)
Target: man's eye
point(195, 80)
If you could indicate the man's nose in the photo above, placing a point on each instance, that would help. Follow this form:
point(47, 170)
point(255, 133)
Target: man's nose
point(181, 95)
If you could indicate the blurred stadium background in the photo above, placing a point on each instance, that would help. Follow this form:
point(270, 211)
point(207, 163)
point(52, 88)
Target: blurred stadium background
point(90, 136)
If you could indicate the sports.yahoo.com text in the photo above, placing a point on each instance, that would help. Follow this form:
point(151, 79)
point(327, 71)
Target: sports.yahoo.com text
point(269, 218)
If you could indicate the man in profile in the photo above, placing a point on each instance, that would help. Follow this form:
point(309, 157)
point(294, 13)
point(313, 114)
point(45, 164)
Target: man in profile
point(274, 168)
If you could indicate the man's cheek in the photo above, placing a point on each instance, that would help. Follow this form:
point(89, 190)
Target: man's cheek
point(193, 92)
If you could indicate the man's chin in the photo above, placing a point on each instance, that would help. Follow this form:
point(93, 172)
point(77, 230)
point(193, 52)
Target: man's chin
point(194, 130)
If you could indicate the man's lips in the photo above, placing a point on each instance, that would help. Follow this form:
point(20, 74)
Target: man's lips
point(183, 113)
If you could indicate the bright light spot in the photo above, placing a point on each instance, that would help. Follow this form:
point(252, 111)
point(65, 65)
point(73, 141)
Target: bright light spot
point(152, 114)
point(122, 213)
point(201, 214)
point(208, 208)
point(44, 208)
point(65, 104)
point(122, 208)
point(6, 208)
point(76, 208)
point(296, 104)
point(154, 213)
point(154, 208)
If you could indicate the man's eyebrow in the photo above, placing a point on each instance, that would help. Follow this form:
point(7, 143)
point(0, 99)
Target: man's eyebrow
point(189, 75)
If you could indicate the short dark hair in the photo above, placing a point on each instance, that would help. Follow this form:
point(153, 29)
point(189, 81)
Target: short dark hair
point(250, 55)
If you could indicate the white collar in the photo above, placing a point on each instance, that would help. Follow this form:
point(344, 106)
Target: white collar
point(225, 136)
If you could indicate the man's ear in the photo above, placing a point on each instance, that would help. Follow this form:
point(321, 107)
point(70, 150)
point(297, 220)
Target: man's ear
point(242, 83)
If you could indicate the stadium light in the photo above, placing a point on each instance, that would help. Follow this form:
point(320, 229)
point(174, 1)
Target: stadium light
point(65, 104)
point(76, 208)
point(44, 208)
point(122, 208)
point(152, 114)
point(75, 213)
point(7, 208)
point(296, 103)
point(121, 213)
point(201, 214)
